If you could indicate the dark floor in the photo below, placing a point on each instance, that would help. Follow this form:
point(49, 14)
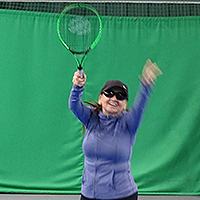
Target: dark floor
point(76, 197)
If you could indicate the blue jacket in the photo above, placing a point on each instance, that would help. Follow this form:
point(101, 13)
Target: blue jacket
point(107, 147)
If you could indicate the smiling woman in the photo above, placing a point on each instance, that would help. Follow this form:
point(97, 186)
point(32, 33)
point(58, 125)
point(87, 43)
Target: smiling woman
point(110, 135)
point(113, 98)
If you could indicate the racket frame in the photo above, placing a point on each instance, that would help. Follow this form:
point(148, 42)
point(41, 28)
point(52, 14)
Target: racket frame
point(93, 44)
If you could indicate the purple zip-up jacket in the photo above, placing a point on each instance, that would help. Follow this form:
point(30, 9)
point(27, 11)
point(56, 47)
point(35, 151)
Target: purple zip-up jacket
point(107, 147)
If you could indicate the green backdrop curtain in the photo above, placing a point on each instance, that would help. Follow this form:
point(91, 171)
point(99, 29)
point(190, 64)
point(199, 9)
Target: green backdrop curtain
point(40, 139)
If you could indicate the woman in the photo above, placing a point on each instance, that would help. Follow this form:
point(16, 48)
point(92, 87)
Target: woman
point(110, 135)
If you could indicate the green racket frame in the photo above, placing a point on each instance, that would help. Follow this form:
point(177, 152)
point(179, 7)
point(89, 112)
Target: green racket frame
point(94, 43)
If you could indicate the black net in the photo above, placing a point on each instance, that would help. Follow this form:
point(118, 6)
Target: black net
point(125, 8)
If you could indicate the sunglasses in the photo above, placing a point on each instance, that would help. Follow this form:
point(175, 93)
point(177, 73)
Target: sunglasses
point(119, 96)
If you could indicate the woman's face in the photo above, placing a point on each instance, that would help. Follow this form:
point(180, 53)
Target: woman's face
point(112, 106)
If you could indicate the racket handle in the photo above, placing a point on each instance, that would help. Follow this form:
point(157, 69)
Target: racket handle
point(80, 71)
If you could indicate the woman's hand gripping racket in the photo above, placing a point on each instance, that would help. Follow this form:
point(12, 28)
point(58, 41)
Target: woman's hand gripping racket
point(79, 28)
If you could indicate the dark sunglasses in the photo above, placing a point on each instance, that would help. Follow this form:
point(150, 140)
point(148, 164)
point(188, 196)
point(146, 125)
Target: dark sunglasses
point(119, 96)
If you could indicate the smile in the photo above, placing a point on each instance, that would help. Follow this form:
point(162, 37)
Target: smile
point(113, 104)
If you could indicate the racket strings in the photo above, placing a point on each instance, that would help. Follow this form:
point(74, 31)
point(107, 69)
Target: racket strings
point(79, 28)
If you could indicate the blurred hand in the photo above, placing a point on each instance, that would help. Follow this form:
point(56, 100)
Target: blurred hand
point(150, 73)
point(77, 80)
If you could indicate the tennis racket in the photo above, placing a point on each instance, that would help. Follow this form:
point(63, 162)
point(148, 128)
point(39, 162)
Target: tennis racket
point(79, 28)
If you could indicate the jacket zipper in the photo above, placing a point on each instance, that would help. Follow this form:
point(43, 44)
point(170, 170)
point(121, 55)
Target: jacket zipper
point(96, 166)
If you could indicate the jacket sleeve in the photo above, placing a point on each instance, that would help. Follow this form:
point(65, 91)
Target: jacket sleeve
point(134, 115)
point(81, 111)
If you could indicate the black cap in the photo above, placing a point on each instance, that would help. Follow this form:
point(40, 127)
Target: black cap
point(115, 83)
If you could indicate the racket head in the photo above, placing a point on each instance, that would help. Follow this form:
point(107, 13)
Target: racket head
point(79, 28)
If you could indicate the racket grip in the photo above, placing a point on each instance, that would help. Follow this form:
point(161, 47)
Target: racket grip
point(80, 71)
